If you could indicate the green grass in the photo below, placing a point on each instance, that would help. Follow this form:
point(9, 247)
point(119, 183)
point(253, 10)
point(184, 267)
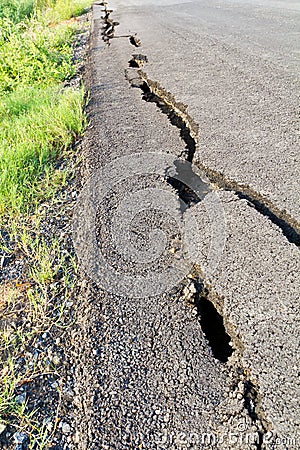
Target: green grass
point(38, 118)
point(37, 55)
point(36, 127)
point(16, 10)
point(63, 9)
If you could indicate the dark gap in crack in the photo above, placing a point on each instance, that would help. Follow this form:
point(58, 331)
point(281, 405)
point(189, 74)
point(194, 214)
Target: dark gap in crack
point(175, 119)
point(289, 232)
point(289, 226)
point(191, 187)
point(259, 443)
point(185, 193)
point(176, 112)
point(251, 402)
point(134, 40)
point(250, 399)
point(208, 305)
point(108, 28)
point(137, 60)
point(212, 324)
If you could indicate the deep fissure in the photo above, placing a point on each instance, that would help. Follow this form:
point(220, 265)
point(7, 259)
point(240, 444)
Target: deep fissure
point(290, 228)
point(290, 233)
point(251, 403)
point(177, 114)
point(186, 194)
point(211, 320)
point(175, 119)
point(137, 60)
point(222, 344)
point(212, 324)
point(109, 25)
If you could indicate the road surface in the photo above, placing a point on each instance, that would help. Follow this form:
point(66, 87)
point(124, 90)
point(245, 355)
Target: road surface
point(210, 360)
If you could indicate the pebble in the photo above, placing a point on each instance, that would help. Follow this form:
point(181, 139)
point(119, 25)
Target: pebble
point(20, 438)
point(20, 399)
point(65, 428)
point(56, 360)
point(19, 447)
point(76, 437)
point(49, 426)
point(2, 427)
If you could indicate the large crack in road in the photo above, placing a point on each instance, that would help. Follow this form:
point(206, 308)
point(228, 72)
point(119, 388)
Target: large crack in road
point(226, 343)
point(178, 116)
point(212, 322)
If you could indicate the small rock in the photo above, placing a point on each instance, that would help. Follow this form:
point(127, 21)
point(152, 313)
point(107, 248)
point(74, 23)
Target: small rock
point(55, 360)
point(65, 428)
point(77, 401)
point(167, 418)
point(76, 437)
point(20, 438)
point(2, 427)
point(135, 41)
point(68, 395)
point(49, 426)
point(20, 399)
point(185, 291)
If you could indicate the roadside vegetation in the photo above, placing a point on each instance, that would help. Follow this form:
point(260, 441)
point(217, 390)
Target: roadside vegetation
point(41, 116)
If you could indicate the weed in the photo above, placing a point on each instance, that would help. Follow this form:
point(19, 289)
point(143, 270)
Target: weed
point(16, 10)
point(37, 127)
point(39, 118)
point(8, 404)
point(35, 56)
point(62, 9)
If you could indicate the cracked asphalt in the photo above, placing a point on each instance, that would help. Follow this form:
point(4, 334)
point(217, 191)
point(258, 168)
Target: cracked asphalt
point(236, 65)
point(147, 376)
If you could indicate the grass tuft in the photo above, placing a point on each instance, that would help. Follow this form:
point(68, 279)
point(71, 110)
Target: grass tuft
point(39, 120)
point(16, 10)
point(36, 128)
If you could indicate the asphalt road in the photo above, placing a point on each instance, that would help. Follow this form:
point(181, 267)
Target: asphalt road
point(150, 374)
point(236, 65)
